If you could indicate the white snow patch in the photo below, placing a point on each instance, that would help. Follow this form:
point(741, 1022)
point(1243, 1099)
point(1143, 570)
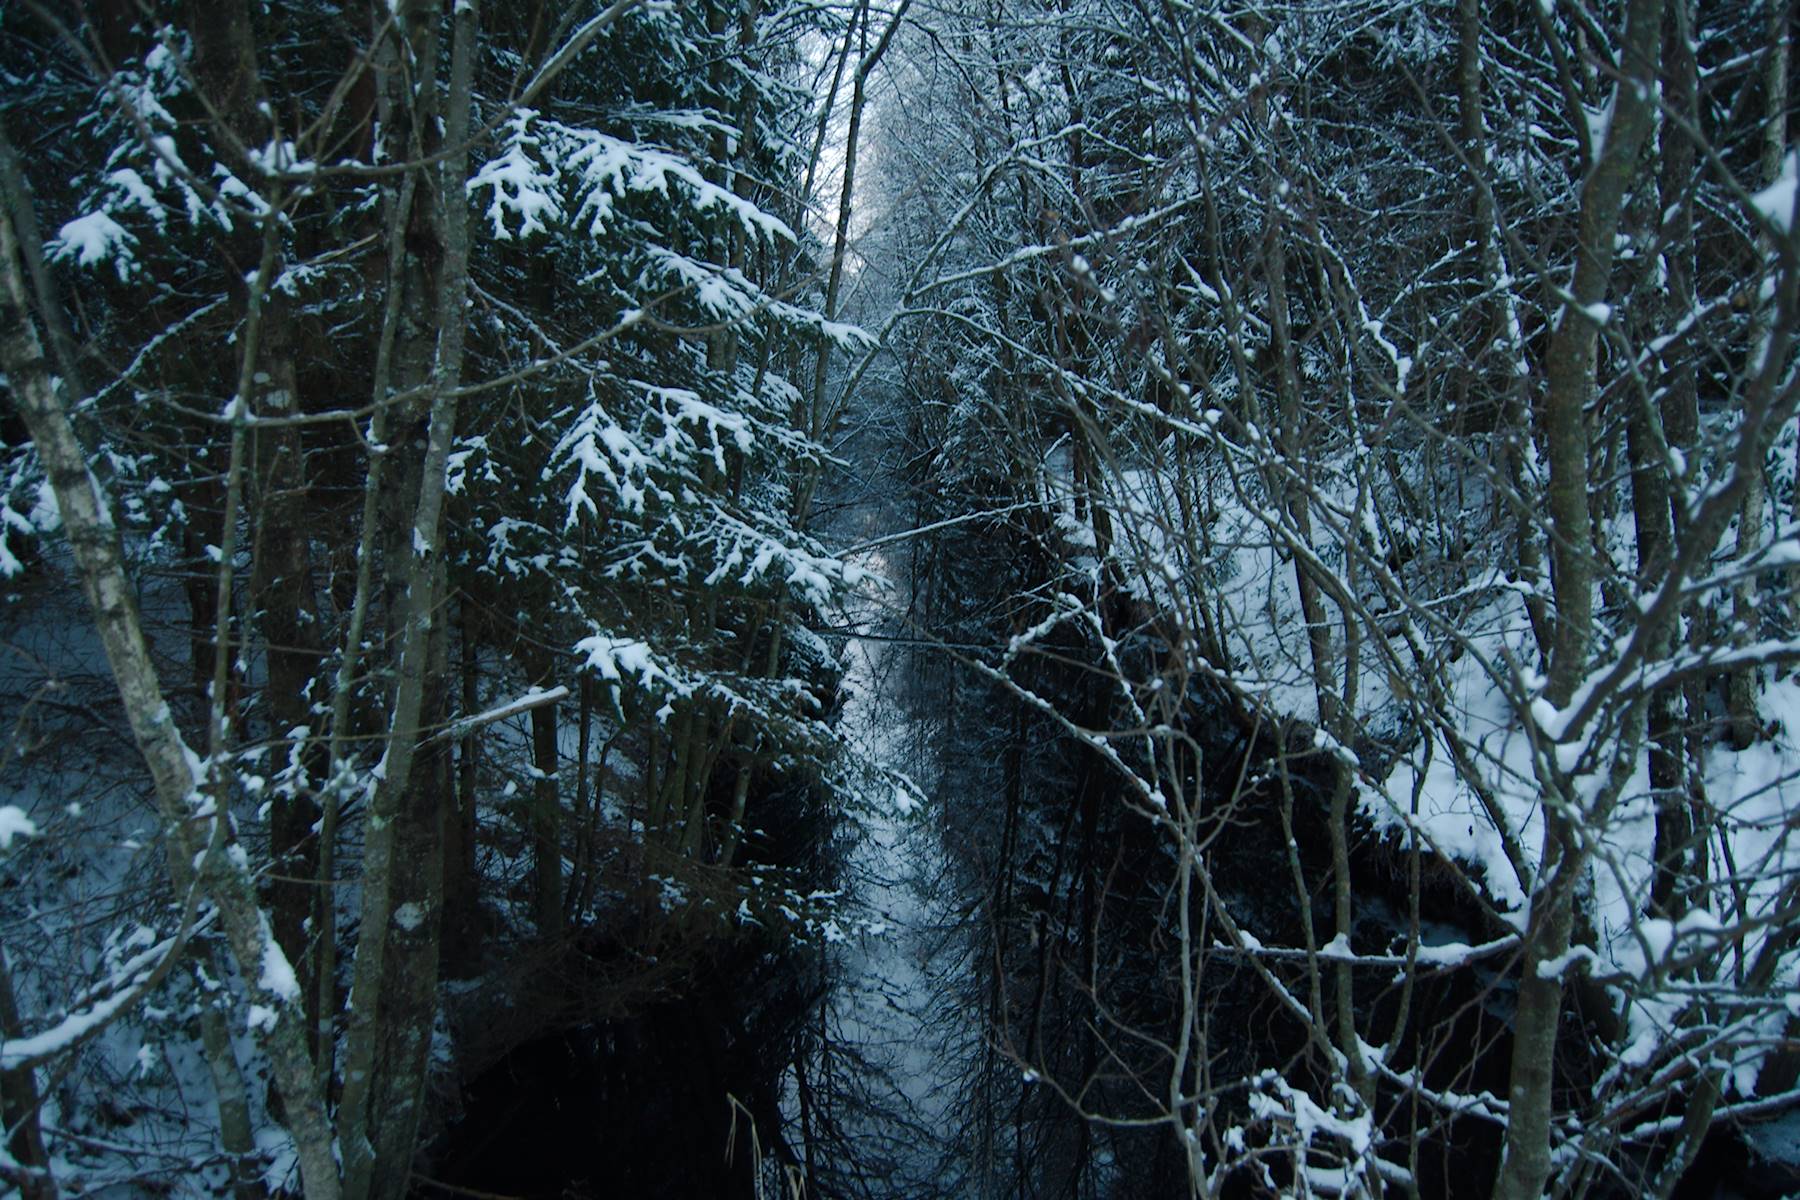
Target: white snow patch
point(14, 823)
point(1776, 202)
point(92, 240)
point(277, 973)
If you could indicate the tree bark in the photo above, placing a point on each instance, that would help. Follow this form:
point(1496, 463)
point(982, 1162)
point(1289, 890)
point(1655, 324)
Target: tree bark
point(284, 604)
point(393, 1002)
point(1741, 684)
point(462, 906)
point(1526, 1164)
point(235, 1135)
point(1657, 501)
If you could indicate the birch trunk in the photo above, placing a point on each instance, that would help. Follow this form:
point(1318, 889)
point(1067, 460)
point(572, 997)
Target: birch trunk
point(174, 768)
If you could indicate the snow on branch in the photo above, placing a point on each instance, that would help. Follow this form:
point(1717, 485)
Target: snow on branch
point(535, 698)
point(548, 172)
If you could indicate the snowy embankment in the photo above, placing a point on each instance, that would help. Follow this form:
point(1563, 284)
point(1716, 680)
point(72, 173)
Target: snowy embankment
point(1466, 742)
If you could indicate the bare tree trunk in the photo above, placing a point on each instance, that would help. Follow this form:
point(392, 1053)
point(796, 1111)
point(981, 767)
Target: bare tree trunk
point(284, 604)
point(235, 1135)
point(409, 979)
point(1526, 1165)
point(1681, 422)
point(1741, 686)
point(407, 61)
point(462, 908)
point(375, 491)
point(1680, 852)
point(393, 998)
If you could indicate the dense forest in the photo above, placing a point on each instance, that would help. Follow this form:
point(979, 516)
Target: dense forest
point(899, 598)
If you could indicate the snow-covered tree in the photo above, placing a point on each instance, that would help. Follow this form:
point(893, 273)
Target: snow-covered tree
point(429, 370)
